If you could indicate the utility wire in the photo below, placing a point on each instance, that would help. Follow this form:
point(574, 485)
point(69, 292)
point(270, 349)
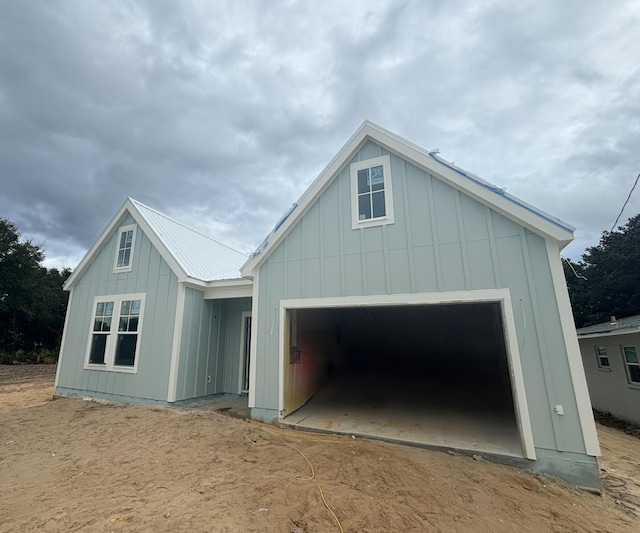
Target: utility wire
point(625, 203)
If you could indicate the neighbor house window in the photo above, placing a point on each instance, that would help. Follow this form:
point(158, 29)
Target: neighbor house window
point(371, 198)
point(115, 328)
point(124, 250)
point(603, 358)
point(633, 364)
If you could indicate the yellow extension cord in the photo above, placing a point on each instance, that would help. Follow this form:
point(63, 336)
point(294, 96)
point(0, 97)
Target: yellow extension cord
point(296, 434)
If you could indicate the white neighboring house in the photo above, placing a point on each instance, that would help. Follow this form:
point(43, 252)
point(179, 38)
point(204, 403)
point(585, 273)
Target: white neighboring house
point(611, 358)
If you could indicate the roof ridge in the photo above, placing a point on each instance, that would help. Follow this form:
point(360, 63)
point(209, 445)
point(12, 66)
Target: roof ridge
point(140, 204)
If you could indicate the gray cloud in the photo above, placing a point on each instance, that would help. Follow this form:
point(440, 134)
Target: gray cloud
point(221, 114)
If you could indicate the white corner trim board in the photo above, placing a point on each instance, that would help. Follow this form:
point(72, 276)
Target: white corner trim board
point(175, 347)
point(501, 296)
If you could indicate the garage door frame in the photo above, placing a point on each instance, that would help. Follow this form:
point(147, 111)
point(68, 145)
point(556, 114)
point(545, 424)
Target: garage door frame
point(500, 296)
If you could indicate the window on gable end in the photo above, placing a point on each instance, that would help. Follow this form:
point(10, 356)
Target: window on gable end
point(371, 194)
point(124, 248)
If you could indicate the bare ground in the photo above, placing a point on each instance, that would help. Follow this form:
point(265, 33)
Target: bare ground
point(76, 465)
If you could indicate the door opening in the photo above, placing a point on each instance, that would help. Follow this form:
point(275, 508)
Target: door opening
point(245, 352)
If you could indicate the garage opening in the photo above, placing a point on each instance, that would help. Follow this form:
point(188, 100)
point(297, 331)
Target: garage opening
point(434, 374)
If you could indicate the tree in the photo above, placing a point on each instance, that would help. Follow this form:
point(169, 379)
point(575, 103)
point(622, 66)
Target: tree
point(612, 269)
point(32, 302)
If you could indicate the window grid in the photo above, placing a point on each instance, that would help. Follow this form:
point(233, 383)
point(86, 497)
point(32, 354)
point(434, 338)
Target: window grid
point(603, 358)
point(633, 364)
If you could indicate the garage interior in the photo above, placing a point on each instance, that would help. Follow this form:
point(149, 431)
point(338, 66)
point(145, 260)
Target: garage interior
point(431, 375)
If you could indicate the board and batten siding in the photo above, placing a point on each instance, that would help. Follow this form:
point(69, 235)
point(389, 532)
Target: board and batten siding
point(610, 389)
point(150, 275)
point(442, 240)
point(210, 345)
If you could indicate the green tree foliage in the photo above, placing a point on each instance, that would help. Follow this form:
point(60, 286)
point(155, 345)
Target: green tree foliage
point(32, 302)
point(612, 269)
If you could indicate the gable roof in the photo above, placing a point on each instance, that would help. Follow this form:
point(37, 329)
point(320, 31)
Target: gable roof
point(488, 194)
point(192, 256)
point(619, 326)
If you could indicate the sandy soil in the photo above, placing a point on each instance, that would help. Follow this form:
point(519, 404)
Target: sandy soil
point(76, 465)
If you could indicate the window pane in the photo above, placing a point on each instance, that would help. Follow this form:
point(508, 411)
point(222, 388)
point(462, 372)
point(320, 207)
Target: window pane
point(634, 373)
point(98, 346)
point(133, 323)
point(602, 350)
point(604, 361)
point(129, 235)
point(100, 309)
point(108, 309)
point(123, 239)
point(630, 354)
point(106, 323)
point(364, 207)
point(378, 204)
point(127, 256)
point(377, 178)
point(126, 350)
point(135, 307)
point(363, 181)
point(122, 325)
point(124, 308)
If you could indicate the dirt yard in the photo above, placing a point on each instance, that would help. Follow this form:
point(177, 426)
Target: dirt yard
point(77, 465)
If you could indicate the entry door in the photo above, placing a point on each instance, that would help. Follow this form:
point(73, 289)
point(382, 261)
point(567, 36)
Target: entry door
point(245, 352)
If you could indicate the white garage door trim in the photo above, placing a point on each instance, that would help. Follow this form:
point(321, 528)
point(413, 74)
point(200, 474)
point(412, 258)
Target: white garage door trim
point(501, 296)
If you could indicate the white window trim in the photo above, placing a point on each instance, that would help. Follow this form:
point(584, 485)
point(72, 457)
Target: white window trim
point(110, 349)
point(598, 356)
point(385, 161)
point(632, 384)
point(122, 230)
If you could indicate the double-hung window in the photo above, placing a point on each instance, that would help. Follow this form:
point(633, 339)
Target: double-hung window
point(603, 358)
point(124, 248)
point(371, 195)
point(632, 363)
point(115, 330)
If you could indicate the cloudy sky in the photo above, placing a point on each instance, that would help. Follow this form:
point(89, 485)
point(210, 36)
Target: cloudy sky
point(220, 114)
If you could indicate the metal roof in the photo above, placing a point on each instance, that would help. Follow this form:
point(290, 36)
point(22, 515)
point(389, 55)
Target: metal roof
point(630, 324)
point(200, 256)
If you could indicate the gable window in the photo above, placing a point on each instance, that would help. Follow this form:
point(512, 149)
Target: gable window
point(633, 364)
point(371, 198)
point(603, 358)
point(124, 249)
point(115, 328)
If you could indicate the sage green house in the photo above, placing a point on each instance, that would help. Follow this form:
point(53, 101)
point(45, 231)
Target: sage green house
point(400, 298)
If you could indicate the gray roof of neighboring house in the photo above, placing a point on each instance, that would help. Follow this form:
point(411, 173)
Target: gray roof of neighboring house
point(630, 324)
point(200, 256)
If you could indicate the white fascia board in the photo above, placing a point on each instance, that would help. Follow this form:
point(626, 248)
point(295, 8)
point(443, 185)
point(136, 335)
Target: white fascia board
point(627, 331)
point(518, 213)
point(97, 245)
point(309, 197)
point(241, 288)
point(127, 207)
point(415, 155)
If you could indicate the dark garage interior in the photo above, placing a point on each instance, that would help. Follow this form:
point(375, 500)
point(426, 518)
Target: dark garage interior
point(433, 375)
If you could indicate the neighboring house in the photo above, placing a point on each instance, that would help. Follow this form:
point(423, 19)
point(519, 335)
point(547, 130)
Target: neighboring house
point(611, 358)
point(401, 297)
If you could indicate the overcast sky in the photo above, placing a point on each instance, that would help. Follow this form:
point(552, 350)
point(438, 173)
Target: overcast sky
point(220, 114)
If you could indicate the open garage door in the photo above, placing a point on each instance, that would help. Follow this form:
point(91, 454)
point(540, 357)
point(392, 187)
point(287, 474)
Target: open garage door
point(431, 374)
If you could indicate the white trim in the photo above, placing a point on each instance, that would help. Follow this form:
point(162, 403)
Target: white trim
point(574, 357)
point(242, 288)
point(385, 162)
point(243, 329)
point(124, 229)
point(518, 212)
point(501, 296)
point(110, 349)
point(64, 337)
point(175, 345)
point(254, 341)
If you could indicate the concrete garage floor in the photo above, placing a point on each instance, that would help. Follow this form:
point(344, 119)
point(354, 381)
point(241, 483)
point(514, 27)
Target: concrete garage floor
point(457, 416)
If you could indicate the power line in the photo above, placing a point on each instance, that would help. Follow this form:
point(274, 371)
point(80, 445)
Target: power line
point(625, 203)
